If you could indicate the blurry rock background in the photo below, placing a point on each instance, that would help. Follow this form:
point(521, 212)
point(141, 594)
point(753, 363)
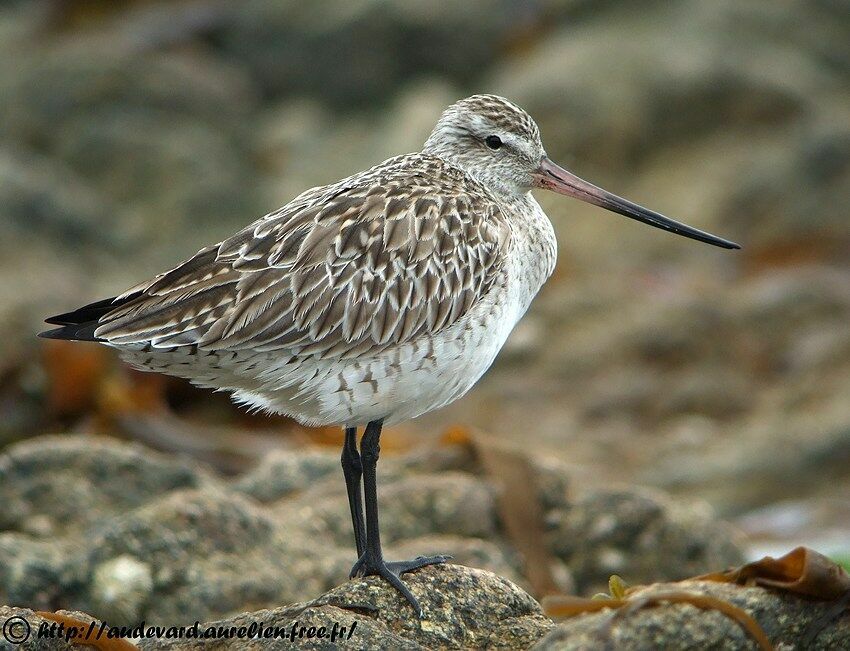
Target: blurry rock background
point(131, 534)
point(134, 132)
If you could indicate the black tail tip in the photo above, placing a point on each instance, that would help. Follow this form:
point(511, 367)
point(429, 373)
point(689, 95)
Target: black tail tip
point(72, 332)
point(80, 324)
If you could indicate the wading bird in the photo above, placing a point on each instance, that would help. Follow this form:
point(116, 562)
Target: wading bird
point(368, 301)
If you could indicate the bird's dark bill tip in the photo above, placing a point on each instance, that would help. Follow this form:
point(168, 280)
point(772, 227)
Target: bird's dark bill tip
point(702, 236)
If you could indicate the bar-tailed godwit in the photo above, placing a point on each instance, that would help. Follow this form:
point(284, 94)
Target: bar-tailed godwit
point(368, 301)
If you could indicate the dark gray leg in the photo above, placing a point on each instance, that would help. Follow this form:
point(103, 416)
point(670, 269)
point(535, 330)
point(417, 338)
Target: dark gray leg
point(372, 561)
point(352, 468)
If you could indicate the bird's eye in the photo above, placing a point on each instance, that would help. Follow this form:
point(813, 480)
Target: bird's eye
point(493, 142)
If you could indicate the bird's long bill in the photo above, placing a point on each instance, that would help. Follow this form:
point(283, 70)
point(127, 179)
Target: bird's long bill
point(553, 177)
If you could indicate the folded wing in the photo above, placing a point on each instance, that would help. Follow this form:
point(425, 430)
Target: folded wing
point(343, 272)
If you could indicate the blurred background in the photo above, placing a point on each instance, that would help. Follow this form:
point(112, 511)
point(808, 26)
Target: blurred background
point(132, 133)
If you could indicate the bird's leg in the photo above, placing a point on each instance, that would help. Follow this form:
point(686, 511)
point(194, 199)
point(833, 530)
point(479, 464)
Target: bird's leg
point(352, 468)
point(372, 561)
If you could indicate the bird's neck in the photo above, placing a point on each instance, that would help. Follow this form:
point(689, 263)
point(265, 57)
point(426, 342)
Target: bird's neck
point(493, 182)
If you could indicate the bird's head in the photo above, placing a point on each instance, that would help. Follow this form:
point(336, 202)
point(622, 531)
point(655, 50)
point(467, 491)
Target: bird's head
point(491, 139)
point(499, 144)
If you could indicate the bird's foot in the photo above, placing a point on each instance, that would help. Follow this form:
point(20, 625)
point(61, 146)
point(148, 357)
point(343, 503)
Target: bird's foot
point(368, 565)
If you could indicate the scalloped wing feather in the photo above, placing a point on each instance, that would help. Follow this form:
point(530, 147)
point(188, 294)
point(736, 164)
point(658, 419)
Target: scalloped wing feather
point(341, 271)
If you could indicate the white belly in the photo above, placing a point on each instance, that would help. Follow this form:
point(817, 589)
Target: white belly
point(426, 375)
point(396, 385)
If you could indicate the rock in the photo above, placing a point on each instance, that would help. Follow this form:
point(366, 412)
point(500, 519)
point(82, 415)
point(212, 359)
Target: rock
point(283, 472)
point(64, 484)
point(467, 608)
point(553, 482)
point(412, 506)
point(35, 572)
point(786, 619)
point(471, 552)
point(640, 535)
point(127, 534)
point(788, 225)
point(208, 552)
point(652, 100)
point(306, 144)
point(44, 204)
point(133, 156)
point(120, 587)
point(452, 503)
point(464, 608)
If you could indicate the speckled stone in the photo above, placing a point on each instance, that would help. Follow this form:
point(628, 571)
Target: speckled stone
point(464, 608)
point(640, 534)
point(784, 618)
point(284, 472)
point(157, 535)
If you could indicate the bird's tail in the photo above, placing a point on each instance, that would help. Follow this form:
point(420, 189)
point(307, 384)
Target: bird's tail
point(80, 324)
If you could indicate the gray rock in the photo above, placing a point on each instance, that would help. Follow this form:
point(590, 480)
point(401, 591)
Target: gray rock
point(464, 608)
point(494, 557)
point(120, 588)
point(130, 149)
point(416, 505)
point(128, 534)
point(668, 70)
point(640, 535)
point(284, 472)
point(59, 484)
point(451, 503)
point(58, 491)
point(306, 144)
point(468, 608)
point(207, 552)
point(778, 217)
point(553, 482)
point(786, 619)
point(36, 572)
